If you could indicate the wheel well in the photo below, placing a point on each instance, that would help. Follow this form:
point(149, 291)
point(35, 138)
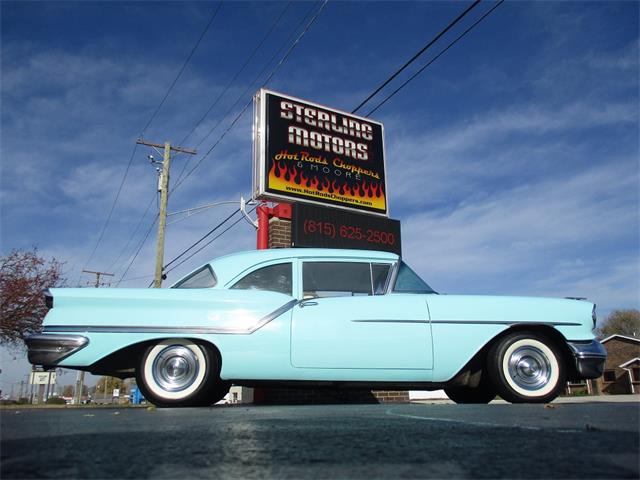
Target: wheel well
point(471, 373)
point(122, 363)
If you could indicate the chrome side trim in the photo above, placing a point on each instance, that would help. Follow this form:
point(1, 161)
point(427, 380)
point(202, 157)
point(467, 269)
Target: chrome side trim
point(161, 329)
point(390, 321)
point(48, 350)
point(469, 322)
point(504, 322)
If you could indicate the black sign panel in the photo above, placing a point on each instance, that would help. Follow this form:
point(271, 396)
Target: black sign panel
point(321, 227)
point(316, 154)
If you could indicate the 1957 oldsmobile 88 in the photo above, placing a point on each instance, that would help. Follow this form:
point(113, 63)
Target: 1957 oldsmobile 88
point(318, 317)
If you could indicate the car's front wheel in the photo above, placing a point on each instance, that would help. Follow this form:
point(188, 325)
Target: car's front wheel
point(180, 373)
point(526, 367)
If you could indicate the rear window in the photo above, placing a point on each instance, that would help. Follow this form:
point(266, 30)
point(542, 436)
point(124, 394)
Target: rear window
point(201, 278)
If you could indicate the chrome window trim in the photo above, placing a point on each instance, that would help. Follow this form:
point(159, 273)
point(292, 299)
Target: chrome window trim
point(386, 280)
point(394, 274)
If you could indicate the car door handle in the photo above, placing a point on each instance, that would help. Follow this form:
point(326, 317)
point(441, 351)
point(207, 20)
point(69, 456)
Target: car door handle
point(307, 303)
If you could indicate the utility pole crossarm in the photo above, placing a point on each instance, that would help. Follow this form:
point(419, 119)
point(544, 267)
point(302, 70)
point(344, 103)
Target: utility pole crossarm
point(98, 275)
point(163, 188)
point(190, 151)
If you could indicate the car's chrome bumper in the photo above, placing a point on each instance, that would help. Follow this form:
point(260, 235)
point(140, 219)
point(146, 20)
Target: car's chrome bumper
point(589, 358)
point(48, 350)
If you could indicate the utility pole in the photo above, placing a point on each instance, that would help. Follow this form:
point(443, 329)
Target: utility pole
point(98, 275)
point(80, 376)
point(164, 197)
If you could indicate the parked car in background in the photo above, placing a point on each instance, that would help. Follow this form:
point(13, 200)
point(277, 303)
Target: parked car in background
point(350, 318)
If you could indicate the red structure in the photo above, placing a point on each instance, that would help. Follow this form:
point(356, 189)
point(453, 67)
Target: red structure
point(265, 213)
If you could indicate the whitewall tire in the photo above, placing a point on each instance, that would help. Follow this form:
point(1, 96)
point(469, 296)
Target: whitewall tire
point(526, 367)
point(178, 372)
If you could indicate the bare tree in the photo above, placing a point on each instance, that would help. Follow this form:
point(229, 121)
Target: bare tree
point(23, 276)
point(621, 322)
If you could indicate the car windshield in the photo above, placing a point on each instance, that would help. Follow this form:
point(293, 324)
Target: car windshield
point(407, 281)
point(201, 278)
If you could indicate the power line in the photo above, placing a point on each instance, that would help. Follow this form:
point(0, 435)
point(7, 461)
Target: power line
point(153, 116)
point(235, 212)
point(210, 241)
point(435, 58)
point(184, 65)
point(235, 120)
point(255, 50)
point(139, 248)
point(243, 94)
point(113, 206)
point(420, 52)
point(135, 231)
point(131, 279)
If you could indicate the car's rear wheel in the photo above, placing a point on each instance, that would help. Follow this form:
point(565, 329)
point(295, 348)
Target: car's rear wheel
point(526, 367)
point(180, 373)
point(483, 393)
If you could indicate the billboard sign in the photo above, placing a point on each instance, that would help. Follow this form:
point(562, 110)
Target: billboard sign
point(42, 378)
point(322, 227)
point(311, 153)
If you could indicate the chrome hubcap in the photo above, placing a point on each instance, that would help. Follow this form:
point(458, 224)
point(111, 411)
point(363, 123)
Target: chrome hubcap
point(175, 368)
point(529, 368)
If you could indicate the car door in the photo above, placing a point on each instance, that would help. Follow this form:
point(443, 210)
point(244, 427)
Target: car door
point(346, 321)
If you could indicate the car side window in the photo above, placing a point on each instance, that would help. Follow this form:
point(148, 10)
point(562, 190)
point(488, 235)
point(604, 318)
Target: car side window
point(407, 281)
point(201, 278)
point(336, 279)
point(379, 275)
point(274, 278)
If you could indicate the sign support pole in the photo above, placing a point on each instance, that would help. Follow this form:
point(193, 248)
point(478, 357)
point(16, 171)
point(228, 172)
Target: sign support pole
point(263, 227)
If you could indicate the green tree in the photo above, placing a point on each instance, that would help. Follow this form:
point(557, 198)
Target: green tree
point(621, 322)
point(23, 276)
point(67, 391)
point(111, 384)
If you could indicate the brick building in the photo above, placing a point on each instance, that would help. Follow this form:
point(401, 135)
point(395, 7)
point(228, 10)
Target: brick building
point(622, 368)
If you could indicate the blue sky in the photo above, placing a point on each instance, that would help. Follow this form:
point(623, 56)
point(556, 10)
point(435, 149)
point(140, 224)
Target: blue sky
point(512, 160)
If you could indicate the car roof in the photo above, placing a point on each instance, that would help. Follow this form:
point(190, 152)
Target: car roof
point(229, 266)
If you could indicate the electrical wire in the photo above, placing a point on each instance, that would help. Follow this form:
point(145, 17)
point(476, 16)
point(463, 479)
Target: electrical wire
point(184, 65)
point(420, 52)
point(153, 116)
point(184, 252)
point(134, 232)
point(246, 106)
point(186, 164)
point(135, 278)
point(421, 69)
point(139, 248)
point(235, 77)
point(209, 242)
point(108, 219)
point(243, 95)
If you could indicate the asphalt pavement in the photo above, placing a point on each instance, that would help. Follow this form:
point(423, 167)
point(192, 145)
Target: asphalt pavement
point(587, 440)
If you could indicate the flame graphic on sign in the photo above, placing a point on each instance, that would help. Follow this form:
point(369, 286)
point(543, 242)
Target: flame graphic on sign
point(291, 179)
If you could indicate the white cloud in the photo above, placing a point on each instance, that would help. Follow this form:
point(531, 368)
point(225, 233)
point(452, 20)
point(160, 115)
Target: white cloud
point(533, 238)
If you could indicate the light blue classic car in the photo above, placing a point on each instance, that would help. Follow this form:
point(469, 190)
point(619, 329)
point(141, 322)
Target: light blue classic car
point(312, 317)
